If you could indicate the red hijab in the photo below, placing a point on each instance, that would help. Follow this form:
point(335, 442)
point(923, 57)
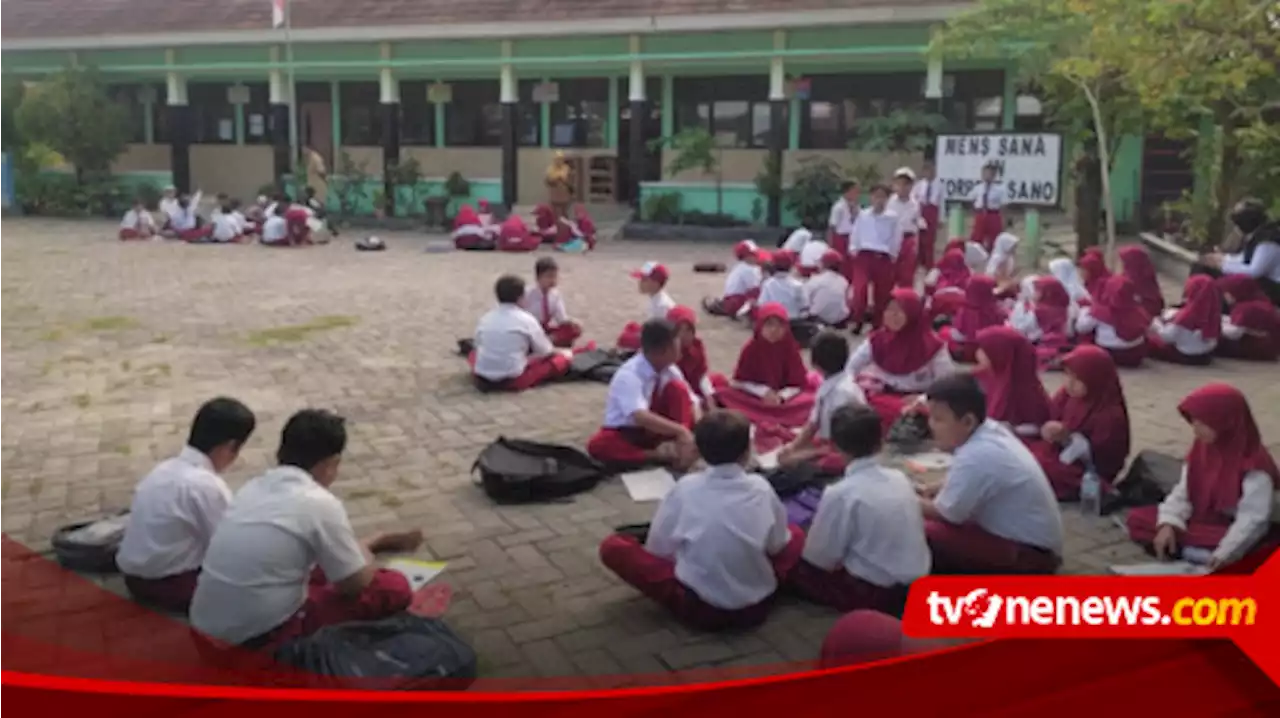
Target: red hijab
point(1096, 273)
point(693, 356)
point(467, 217)
point(1138, 267)
point(1101, 415)
point(955, 244)
point(980, 310)
point(777, 365)
point(1011, 383)
point(1118, 306)
point(1215, 472)
point(1251, 309)
point(1053, 307)
point(1201, 307)
point(952, 270)
point(911, 347)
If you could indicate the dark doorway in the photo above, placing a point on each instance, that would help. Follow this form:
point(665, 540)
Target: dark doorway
point(652, 129)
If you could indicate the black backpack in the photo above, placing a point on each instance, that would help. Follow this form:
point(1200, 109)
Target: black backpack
point(90, 546)
point(518, 471)
point(595, 365)
point(404, 652)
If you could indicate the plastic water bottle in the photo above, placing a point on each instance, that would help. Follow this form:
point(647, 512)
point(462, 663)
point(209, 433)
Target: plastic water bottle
point(1091, 493)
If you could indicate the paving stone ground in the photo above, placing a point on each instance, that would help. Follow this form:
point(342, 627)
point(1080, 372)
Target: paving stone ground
point(109, 348)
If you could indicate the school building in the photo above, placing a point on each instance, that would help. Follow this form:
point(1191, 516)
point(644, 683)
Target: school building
point(492, 89)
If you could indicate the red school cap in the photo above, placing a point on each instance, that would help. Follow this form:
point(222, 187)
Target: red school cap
point(745, 248)
point(831, 259)
point(652, 270)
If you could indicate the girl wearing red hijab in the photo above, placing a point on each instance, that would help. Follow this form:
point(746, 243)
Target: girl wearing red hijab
point(1252, 328)
point(1191, 334)
point(1093, 272)
point(514, 236)
point(945, 284)
point(981, 310)
point(468, 232)
point(693, 356)
point(1117, 322)
point(1047, 322)
point(1223, 501)
point(770, 383)
point(900, 359)
point(1088, 426)
point(1007, 370)
point(1137, 266)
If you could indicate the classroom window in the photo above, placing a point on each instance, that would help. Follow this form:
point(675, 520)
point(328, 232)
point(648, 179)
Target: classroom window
point(735, 110)
point(975, 100)
point(361, 119)
point(580, 117)
point(474, 117)
point(257, 115)
point(829, 118)
point(1029, 114)
point(417, 116)
point(127, 96)
point(213, 118)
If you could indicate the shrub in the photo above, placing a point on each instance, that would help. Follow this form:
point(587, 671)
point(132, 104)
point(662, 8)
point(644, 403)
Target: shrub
point(662, 208)
point(814, 187)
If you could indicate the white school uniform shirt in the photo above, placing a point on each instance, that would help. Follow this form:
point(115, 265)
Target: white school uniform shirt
point(928, 191)
point(720, 526)
point(169, 206)
point(183, 218)
point(988, 196)
point(631, 388)
point(1265, 264)
point(174, 512)
point(908, 211)
point(275, 230)
point(835, 391)
point(1187, 341)
point(1252, 517)
point(242, 222)
point(863, 364)
point(869, 523)
point(995, 482)
point(660, 304)
point(787, 291)
point(827, 294)
point(255, 574)
point(811, 255)
point(842, 217)
point(133, 219)
point(797, 240)
point(505, 339)
point(1104, 335)
point(225, 227)
point(741, 279)
point(532, 304)
point(877, 233)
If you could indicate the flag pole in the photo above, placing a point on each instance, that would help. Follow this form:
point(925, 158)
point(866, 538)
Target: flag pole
point(294, 146)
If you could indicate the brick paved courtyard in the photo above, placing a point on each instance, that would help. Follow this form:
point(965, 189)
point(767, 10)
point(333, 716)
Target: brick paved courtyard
point(108, 349)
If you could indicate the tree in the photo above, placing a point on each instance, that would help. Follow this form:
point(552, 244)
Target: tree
point(1058, 52)
point(695, 149)
point(906, 131)
point(71, 112)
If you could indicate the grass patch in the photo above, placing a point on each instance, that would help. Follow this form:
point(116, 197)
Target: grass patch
point(404, 483)
point(391, 501)
point(82, 400)
point(108, 324)
point(300, 332)
point(126, 365)
point(51, 335)
point(122, 449)
point(160, 339)
point(357, 494)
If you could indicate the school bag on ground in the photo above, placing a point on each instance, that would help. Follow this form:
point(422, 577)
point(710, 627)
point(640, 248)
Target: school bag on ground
point(403, 652)
point(90, 546)
point(520, 471)
point(1151, 476)
point(595, 365)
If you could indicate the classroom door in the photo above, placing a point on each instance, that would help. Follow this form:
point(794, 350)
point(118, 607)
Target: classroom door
point(315, 128)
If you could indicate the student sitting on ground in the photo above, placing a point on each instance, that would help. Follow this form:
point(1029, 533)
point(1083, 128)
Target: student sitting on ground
point(945, 284)
point(275, 230)
point(177, 506)
point(284, 562)
point(225, 227)
point(811, 256)
point(649, 412)
point(693, 356)
point(1093, 273)
point(137, 223)
point(1137, 265)
point(719, 545)
point(781, 286)
point(1002, 265)
point(1046, 322)
point(770, 382)
point(1222, 503)
point(544, 301)
point(1117, 322)
point(651, 281)
point(1189, 334)
point(186, 223)
point(995, 512)
point(247, 228)
point(741, 285)
point(1088, 425)
point(168, 207)
point(866, 545)
point(980, 310)
point(512, 351)
point(827, 292)
point(829, 354)
point(469, 233)
point(1008, 372)
point(1251, 330)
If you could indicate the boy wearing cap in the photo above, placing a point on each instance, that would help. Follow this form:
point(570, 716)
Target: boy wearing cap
point(908, 211)
point(742, 285)
point(810, 261)
point(928, 191)
point(827, 292)
point(988, 198)
point(782, 287)
point(652, 281)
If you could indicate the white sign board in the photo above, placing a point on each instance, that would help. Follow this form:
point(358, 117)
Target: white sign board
point(1028, 164)
point(238, 95)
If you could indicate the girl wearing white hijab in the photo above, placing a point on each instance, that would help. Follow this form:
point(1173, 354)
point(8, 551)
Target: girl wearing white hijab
point(1003, 264)
point(975, 256)
point(1065, 271)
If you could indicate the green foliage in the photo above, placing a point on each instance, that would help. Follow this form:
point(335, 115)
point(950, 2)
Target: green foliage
point(407, 173)
point(694, 148)
point(815, 185)
point(71, 112)
point(348, 185)
point(456, 185)
point(769, 178)
point(899, 131)
point(662, 208)
point(149, 194)
point(58, 194)
point(11, 98)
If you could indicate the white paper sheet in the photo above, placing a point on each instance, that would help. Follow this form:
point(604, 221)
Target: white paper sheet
point(768, 461)
point(1162, 568)
point(418, 572)
point(648, 485)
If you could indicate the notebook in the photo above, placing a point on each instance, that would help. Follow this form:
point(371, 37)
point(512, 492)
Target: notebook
point(769, 461)
point(648, 485)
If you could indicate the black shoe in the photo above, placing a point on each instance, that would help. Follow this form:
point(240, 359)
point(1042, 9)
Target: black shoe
point(466, 346)
point(856, 329)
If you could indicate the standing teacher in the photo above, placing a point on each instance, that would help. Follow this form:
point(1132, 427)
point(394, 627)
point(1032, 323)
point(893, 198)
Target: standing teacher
point(317, 174)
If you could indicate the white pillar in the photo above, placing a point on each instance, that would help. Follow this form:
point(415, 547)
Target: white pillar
point(635, 84)
point(777, 68)
point(933, 79)
point(508, 92)
point(276, 90)
point(388, 88)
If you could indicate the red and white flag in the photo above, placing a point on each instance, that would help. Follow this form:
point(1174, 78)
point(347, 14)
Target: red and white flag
point(277, 13)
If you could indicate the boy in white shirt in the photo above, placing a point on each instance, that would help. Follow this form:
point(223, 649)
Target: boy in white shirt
point(811, 255)
point(876, 242)
point(168, 206)
point(651, 280)
point(512, 351)
point(903, 204)
point(719, 545)
point(285, 562)
point(867, 543)
point(741, 285)
point(544, 301)
point(930, 194)
point(796, 241)
point(843, 214)
point(275, 230)
point(996, 511)
point(185, 223)
point(829, 354)
point(137, 223)
point(827, 292)
point(178, 505)
point(225, 226)
point(988, 198)
point(782, 287)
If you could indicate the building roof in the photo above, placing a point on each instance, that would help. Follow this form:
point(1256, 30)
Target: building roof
point(28, 21)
